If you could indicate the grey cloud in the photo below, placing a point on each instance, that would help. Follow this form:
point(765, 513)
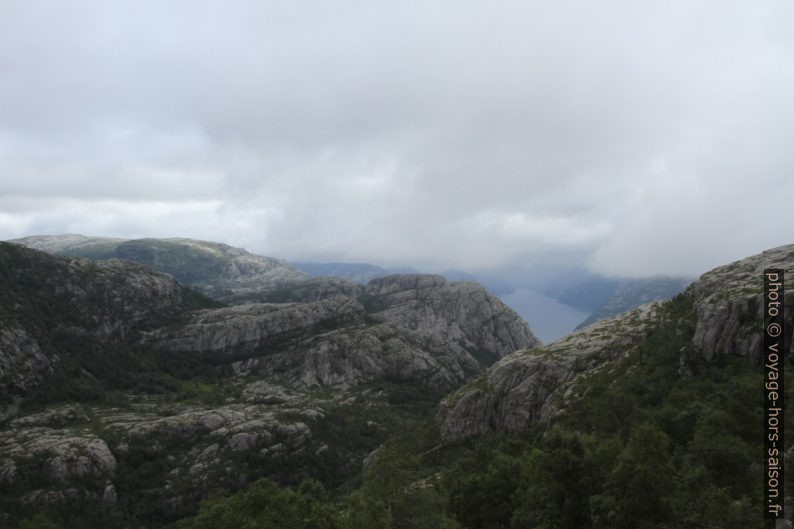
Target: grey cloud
point(461, 134)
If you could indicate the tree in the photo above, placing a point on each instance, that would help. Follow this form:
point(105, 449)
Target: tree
point(481, 487)
point(557, 484)
point(266, 505)
point(638, 489)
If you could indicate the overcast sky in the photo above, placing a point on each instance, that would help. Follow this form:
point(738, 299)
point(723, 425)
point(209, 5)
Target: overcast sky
point(636, 137)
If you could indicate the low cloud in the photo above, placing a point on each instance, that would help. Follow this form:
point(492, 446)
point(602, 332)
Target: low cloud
point(645, 139)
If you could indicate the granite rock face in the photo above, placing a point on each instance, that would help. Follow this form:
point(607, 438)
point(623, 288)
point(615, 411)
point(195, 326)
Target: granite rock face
point(729, 305)
point(531, 386)
point(63, 449)
point(439, 312)
point(239, 329)
point(52, 456)
point(516, 391)
point(23, 365)
point(279, 376)
point(415, 328)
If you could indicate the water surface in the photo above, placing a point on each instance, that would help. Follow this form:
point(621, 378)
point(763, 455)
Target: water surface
point(547, 317)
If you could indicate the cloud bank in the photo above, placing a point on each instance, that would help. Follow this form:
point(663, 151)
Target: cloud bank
point(640, 139)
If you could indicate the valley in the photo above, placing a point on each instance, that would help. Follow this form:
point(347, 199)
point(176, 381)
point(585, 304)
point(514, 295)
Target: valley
point(203, 386)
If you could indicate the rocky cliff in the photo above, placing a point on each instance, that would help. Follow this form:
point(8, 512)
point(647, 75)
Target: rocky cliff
point(728, 301)
point(516, 391)
point(418, 328)
point(533, 385)
point(126, 389)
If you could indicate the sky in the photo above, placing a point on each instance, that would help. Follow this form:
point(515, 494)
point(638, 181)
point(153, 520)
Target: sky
point(633, 138)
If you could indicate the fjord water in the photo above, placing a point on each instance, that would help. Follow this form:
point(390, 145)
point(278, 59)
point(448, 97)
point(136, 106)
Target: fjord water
point(550, 319)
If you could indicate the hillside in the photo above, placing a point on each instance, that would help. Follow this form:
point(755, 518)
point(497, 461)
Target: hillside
point(720, 313)
point(374, 406)
point(129, 397)
point(217, 270)
point(647, 419)
point(233, 275)
point(631, 293)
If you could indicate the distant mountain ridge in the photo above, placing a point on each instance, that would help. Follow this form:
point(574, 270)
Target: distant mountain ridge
point(632, 293)
point(232, 275)
point(361, 273)
point(214, 269)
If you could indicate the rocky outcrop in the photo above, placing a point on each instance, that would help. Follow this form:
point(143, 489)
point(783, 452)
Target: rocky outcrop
point(415, 328)
point(23, 365)
point(273, 388)
point(240, 329)
point(346, 357)
point(729, 305)
point(63, 455)
point(40, 455)
point(516, 391)
point(439, 312)
point(534, 385)
point(314, 289)
point(205, 432)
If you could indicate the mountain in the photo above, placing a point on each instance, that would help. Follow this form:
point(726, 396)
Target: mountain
point(518, 391)
point(645, 419)
point(493, 282)
point(581, 289)
point(572, 299)
point(568, 302)
point(719, 313)
point(411, 401)
point(361, 273)
point(128, 396)
point(214, 269)
point(49, 305)
point(631, 293)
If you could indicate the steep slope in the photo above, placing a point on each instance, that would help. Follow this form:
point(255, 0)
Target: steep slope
point(647, 419)
point(214, 269)
point(728, 303)
point(47, 303)
point(139, 396)
point(418, 328)
point(516, 392)
point(723, 320)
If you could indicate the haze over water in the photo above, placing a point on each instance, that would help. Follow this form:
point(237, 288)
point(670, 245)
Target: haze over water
point(548, 318)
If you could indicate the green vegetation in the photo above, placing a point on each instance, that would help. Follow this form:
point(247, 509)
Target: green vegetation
point(91, 371)
point(646, 447)
point(188, 263)
point(265, 505)
point(640, 446)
